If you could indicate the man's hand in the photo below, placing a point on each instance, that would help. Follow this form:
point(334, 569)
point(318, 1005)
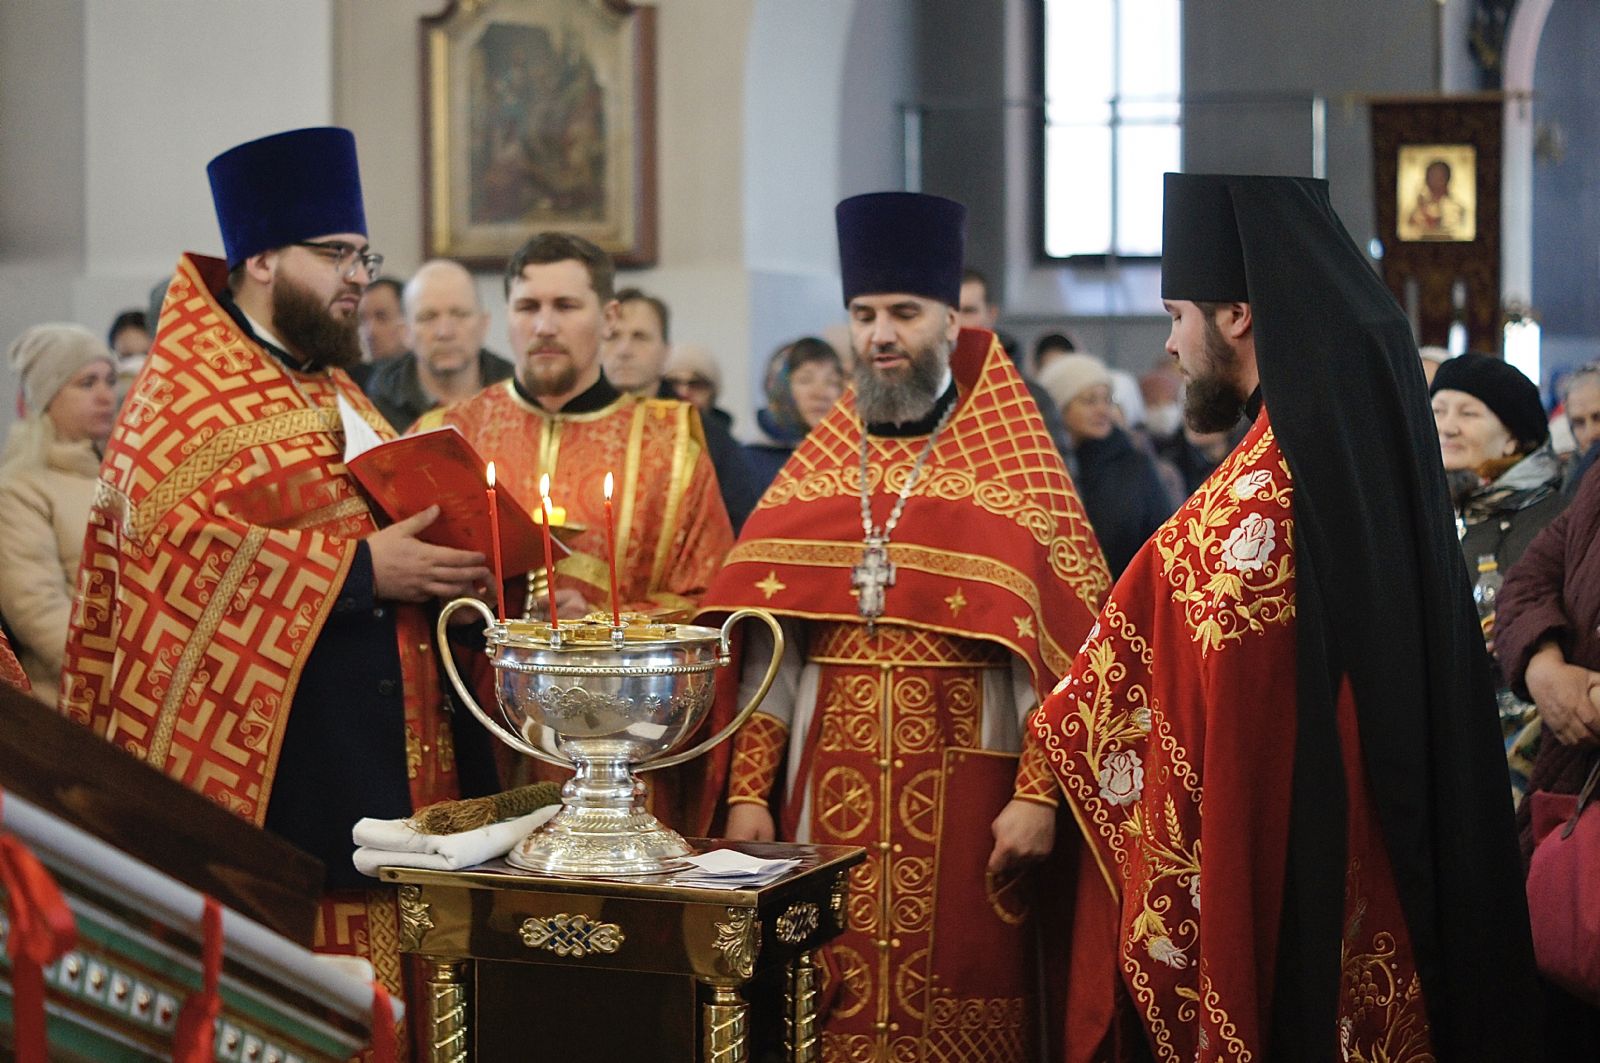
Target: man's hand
point(1024, 833)
point(571, 605)
point(1568, 696)
point(749, 822)
point(406, 569)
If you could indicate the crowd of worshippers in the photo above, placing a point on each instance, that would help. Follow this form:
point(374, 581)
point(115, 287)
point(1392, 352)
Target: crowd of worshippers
point(1108, 460)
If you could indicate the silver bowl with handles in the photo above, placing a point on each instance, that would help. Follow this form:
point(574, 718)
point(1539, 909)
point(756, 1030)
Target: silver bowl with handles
point(605, 702)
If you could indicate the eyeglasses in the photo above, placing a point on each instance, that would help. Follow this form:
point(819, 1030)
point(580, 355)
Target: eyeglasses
point(346, 257)
point(690, 383)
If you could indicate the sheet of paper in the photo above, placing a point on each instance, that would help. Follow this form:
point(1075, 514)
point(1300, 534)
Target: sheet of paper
point(727, 863)
point(359, 436)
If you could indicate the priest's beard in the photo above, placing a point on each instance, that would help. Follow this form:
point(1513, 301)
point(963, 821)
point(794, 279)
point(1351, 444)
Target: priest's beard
point(901, 395)
point(550, 376)
point(1211, 401)
point(305, 323)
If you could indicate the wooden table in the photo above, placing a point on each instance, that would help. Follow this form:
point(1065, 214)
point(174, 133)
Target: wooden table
point(622, 968)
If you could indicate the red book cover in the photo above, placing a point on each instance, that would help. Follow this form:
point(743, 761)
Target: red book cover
point(407, 475)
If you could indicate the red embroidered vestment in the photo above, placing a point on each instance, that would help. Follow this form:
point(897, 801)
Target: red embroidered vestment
point(1173, 738)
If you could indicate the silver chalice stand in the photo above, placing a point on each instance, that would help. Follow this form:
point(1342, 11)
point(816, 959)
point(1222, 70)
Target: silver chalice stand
point(606, 702)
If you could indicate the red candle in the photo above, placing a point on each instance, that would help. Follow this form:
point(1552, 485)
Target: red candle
point(611, 555)
point(549, 552)
point(494, 538)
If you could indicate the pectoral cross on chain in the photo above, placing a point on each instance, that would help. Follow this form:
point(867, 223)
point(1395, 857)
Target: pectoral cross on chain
point(871, 577)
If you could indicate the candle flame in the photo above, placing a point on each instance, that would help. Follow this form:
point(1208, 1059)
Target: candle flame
point(544, 486)
point(490, 474)
point(547, 509)
point(608, 487)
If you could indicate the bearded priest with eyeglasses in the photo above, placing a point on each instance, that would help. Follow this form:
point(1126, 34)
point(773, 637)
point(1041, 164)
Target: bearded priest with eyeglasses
point(934, 572)
point(242, 623)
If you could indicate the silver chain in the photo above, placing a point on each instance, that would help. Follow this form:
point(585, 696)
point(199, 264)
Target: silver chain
point(867, 528)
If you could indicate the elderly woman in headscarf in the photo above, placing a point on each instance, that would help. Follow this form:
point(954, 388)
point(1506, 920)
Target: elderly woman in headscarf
point(48, 474)
point(1118, 482)
point(1506, 483)
point(804, 381)
point(1495, 443)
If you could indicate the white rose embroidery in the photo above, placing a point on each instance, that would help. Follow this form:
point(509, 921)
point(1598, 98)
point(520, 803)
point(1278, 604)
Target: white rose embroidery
point(1122, 777)
point(1194, 891)
point(1089, 639)
point(1250, 484)
point(1162, 950)
point(1249, 546)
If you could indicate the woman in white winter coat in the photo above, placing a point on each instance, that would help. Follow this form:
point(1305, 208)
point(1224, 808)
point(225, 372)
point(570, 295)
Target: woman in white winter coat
point(48, 473)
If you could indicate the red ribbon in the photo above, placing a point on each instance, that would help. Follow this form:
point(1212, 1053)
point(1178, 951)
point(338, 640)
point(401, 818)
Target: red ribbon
point(195, 1037)
point(384, 1047)
point(42, 928)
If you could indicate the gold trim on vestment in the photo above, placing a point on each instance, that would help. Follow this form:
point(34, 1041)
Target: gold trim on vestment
point(1069, 558)
point(205, 629)
point(585, 568)
point(677, 480)
point(383, 939)
point(631, 460)
point(902, 645)
point(334, 511)
point(952, 563)
point(195, 469)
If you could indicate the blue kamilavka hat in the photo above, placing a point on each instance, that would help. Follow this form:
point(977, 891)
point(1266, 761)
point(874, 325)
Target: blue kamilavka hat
point(284, 188)
point(902, 242)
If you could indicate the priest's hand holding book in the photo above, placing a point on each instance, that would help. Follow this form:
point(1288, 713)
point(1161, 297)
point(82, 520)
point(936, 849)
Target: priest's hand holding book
point(407, 569)
point(432, 485)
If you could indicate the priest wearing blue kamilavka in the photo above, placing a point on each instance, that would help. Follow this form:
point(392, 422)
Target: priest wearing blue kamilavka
point(934, 571)
point(241, 622)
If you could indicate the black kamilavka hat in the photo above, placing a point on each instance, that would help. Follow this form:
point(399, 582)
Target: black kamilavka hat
point(1201, 260)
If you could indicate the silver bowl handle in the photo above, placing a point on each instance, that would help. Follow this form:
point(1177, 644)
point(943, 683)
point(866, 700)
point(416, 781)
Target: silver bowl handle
point(515, 741)
point(744, 713)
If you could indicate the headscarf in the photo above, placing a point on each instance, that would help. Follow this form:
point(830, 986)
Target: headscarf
point(45, 357)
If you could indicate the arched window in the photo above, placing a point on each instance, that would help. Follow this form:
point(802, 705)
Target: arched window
point(1111, 124)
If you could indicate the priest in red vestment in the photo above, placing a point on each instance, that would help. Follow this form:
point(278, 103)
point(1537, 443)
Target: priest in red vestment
point(1279, 741)
point(934, 571)
point(241, 622)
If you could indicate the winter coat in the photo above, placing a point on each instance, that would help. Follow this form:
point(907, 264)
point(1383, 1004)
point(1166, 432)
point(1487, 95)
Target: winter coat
point(1122, 495)
point(44, 512)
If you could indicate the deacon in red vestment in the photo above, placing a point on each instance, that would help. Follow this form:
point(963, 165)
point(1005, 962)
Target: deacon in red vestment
point(916, 648)
point(241, 622)
point(1279, 740)
point(559, 416)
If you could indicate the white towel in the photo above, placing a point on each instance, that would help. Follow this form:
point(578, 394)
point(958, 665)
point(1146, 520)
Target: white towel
point(396, 843)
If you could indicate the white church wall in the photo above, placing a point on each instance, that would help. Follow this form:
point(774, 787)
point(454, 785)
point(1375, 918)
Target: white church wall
point(119, 103)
